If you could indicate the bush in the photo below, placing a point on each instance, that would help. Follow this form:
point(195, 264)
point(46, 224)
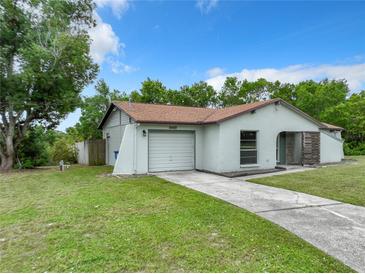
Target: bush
point(35, 148)
point(354, 148)
point(64, 149)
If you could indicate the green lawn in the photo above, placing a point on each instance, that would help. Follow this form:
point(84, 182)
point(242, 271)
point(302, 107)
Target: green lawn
point(80, 220)
point(344, 182)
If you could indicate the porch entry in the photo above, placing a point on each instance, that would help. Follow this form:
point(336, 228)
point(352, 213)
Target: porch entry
point(298, 148)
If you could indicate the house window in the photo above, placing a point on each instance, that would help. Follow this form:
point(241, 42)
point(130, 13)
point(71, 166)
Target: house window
point(248, 148)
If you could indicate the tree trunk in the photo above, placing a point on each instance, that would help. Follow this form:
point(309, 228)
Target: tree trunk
point(7, 156)
point(7, 162)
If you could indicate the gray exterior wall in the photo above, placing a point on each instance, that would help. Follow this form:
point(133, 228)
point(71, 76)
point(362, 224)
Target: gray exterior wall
point(113, 130)
point(331, 147)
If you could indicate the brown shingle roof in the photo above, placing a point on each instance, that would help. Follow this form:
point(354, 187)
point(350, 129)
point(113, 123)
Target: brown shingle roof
point(168, 114)
point(152, 113)
point(230, 112)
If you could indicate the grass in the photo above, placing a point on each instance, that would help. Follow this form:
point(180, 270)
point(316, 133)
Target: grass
point(345, 183)
point(81, 221)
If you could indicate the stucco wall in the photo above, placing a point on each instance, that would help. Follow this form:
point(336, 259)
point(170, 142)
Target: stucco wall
point(210, 147)
point(268, 122)
point(114, 126)
point(331, 148)
point(125, 163)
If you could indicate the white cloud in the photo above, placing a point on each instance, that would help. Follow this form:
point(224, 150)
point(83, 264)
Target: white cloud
point(119, 7)
point(107, 47)
point(206, 6)
point(118, 67)
point(104, 41)
point(354, 74)
point(216, 71)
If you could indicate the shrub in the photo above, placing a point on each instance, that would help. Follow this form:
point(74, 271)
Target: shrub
point(35, 148)
point(354, 148)
point(64, 149)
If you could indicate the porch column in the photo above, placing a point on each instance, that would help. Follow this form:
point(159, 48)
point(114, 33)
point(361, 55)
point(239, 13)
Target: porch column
point(311, 148)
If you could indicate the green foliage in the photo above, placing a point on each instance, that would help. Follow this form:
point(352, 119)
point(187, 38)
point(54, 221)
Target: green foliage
point(35, 150)
point(92, 111)
point(199, 94)
point(153, 92)
point(354, 148)
point(235, 92)
point(315, 98)
point(351, 116)
point(230, 93)
point(64, 149)
point(44, 65)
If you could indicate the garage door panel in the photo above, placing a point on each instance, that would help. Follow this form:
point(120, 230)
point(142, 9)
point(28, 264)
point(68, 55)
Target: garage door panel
point(173, 162)
point(171, 167)
point(168, 151)
point(171, 142)
point(171, 150)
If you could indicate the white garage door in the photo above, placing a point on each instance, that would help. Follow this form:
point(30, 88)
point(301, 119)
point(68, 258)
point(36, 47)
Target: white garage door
point(170, 150)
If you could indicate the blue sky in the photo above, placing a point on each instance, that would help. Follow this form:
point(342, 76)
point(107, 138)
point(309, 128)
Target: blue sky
point(181, 42)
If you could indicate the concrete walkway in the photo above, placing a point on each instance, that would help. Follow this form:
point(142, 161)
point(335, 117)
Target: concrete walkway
point(334, 227)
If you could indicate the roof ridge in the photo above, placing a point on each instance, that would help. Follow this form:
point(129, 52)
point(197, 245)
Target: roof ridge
point(214, 108)
point(210, 114)
point(165, 105)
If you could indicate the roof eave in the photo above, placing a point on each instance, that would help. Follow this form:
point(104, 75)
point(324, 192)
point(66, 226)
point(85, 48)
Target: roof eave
point(170, 122)
point(106, 115)
point(332, 128)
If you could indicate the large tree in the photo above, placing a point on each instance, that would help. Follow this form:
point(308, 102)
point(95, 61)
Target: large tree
point(93, 109)
point(199, 94)
point(152, 91)
point(315, 98)
point(350, 115)
point(44, 65)
point(235, 92)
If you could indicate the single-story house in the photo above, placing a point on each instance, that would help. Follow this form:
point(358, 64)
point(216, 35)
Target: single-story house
point(143, 138)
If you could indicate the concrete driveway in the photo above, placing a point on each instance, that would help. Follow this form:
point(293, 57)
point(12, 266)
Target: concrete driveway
point(334, 227)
